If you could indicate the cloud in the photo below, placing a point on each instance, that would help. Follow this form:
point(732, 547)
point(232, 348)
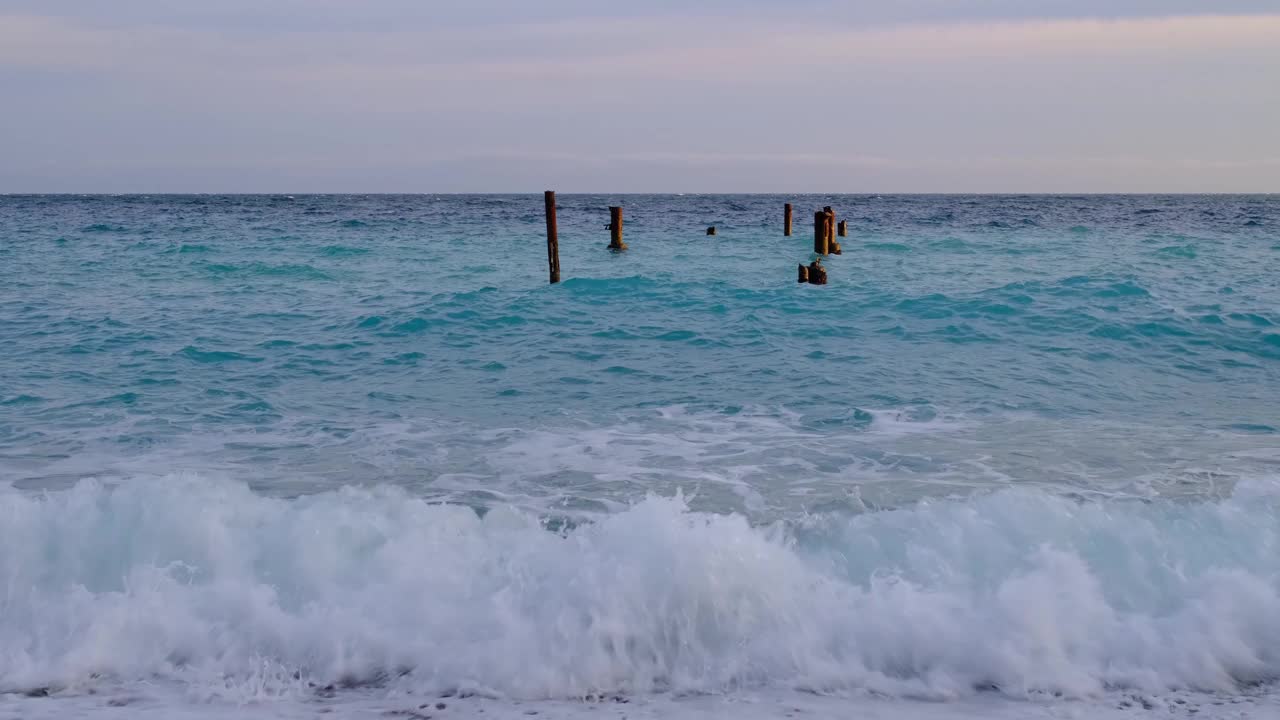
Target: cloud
point(384, 15)
point(696, 42)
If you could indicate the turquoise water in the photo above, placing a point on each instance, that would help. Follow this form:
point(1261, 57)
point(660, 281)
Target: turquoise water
point(245, 411)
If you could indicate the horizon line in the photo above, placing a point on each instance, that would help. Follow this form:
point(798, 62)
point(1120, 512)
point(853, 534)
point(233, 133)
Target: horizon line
point(636, 193)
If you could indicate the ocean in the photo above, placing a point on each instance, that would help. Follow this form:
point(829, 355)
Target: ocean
point(353, 456)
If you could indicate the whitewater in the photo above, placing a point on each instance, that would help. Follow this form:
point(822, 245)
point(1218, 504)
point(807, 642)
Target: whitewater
point(351, 456)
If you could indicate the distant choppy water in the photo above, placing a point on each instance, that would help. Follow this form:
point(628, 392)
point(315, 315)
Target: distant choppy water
point(1019, 447)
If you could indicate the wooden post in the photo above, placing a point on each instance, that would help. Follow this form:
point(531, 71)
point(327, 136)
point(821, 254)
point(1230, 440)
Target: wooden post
point(820, 232)
point(553, 239)
point(844, 228)
point(615, 229)
point(786, 220)
point(804, 274)
point(711, 230)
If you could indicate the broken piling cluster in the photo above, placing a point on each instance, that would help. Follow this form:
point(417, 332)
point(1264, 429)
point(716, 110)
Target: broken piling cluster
point(825, 230)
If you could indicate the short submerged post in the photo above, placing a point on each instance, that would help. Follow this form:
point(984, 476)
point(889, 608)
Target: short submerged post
point(817, 273)
point(844, 228)
point(786, 220)
point(711, 230)
point(615, 229)
point(553, 240)
point(803, 275)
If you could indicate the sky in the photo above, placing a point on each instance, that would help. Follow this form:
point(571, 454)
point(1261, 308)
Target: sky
point(643, 96)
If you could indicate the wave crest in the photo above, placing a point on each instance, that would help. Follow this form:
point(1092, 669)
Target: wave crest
point(206, 583)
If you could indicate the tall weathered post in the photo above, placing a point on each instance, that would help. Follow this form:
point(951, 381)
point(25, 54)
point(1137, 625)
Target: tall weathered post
point(833, 247)
point(553, 239)
point(615, 229)
point(820, 237)
point(786, 220)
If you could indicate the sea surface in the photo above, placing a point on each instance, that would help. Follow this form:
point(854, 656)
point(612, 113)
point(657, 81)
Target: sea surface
point(353, 456)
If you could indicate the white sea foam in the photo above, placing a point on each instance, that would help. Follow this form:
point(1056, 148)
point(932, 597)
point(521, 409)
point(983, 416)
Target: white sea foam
point(762, 462)
point(231, 596)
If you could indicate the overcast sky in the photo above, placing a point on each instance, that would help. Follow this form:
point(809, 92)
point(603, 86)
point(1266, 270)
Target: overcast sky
point(652, 95)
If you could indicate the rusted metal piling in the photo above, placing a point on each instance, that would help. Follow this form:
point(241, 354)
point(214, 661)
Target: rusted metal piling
point(615, 229)
point(553, 239)
point(786, 220)
point(824, 243)
point(844, 228)
point(833, 247)
point(820, 237)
